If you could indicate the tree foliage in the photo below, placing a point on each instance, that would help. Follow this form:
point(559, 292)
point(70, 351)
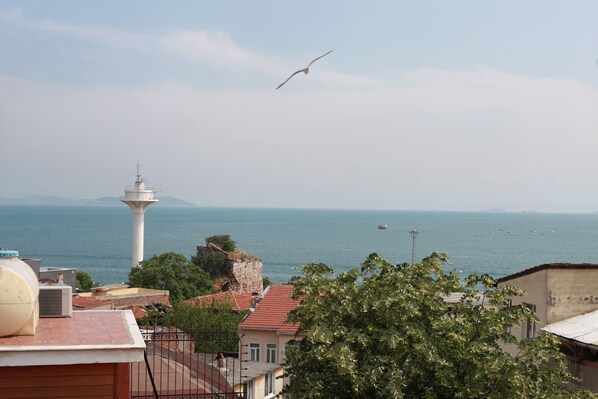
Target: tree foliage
point(173, 272)
point(266, 282)
point(223, 241)
point(212, 262)
point(217, 319)
point(385, 331)
point(84, 281)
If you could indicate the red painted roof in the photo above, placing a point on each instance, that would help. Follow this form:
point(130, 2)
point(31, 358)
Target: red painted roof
point(272, 310)
point(239, 301)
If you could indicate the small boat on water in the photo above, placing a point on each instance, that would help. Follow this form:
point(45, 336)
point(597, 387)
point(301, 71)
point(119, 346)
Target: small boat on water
point(382, 227)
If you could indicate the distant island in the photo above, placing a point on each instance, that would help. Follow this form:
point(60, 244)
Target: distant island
point(166, 201)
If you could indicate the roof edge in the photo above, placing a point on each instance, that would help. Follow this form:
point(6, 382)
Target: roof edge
point(547, 266)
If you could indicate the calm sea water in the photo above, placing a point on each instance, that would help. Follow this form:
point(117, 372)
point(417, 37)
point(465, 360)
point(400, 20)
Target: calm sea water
point(98, 239)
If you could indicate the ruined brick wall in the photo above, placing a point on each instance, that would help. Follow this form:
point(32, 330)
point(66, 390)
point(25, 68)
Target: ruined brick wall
point(248, 275)
point(243, 272)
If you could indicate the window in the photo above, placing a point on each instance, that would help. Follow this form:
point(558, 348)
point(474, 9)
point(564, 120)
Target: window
point(249, 390)
point(269, 386)
point(254, 352)
point(270, 353)
point(529, 326)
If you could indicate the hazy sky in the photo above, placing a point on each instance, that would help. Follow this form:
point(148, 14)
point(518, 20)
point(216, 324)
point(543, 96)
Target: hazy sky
point(445, 105)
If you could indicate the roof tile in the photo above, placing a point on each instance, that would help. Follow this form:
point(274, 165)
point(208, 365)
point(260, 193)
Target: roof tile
point(238, 300)
point(272, 310)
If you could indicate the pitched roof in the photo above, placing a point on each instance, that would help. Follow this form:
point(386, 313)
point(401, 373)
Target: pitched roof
point(239, 301)
point(271, 311)
point(546, 266)
point(582, 328)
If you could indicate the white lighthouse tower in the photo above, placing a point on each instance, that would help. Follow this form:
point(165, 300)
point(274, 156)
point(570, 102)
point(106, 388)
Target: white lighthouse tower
point(138, 197)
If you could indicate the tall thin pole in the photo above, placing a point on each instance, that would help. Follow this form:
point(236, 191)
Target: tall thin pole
point(414, 234)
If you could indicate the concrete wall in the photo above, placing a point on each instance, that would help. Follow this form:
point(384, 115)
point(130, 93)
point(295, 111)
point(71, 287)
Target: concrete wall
point(263, 338)
point(259, 385)
point(571, 292)
point(558, 294)
point(536, 293)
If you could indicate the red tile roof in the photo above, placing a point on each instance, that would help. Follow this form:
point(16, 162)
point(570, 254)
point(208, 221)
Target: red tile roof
point(237, 300)
point(272, 310)
point(83, 303)
point(138, 311)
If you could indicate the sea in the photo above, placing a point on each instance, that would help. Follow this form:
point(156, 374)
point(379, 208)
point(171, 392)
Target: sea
point(97, 239)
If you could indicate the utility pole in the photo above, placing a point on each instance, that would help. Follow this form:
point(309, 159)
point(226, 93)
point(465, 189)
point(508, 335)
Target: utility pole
point(414, 234)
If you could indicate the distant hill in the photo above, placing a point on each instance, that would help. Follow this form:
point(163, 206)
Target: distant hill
point(173, 202)
point(166, 201)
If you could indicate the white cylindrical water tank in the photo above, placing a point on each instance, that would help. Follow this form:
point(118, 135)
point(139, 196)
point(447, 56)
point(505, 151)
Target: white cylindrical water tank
point(19, 291)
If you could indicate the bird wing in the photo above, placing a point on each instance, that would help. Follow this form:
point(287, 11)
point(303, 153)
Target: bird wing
point(289, 78)
point(308, 65)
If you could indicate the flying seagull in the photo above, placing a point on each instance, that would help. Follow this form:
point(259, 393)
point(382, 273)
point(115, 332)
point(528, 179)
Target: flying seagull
point(304, 70)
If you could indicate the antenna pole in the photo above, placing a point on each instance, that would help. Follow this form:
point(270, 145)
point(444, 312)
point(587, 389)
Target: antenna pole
point(414, 233)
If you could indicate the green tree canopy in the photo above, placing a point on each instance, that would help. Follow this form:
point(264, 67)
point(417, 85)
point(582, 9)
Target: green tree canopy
point(223, 241)
point(84, 281)
point(386, 331)
point(173, 272)
point(212, 262)
point(266, 282)
point(216, 319)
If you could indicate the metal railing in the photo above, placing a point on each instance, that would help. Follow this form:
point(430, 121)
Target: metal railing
point(179, 365)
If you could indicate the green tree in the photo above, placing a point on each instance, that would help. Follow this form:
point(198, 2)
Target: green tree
point(84, 281)
point(214, 325)
point(223, 241)
point(212, 262)
point(385, 331)
point(265, 282)
point(173, 272)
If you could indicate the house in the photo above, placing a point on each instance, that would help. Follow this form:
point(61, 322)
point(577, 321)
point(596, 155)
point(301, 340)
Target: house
point(72, 357)
point(579, 342)
point(564, 297)
point(264, 336)
point(554, 292)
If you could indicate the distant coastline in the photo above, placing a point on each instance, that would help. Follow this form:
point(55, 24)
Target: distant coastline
point(37, 200)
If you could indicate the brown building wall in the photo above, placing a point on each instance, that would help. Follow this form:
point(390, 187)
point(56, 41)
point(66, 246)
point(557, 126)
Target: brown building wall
point(97, 381)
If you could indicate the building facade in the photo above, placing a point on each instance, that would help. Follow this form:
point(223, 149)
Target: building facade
point(265, 335)
point(559, 294)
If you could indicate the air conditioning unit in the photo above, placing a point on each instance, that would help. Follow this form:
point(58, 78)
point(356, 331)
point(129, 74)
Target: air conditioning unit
point(55, 301)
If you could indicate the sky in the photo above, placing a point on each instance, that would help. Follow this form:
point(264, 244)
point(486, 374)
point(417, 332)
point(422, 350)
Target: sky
point(428, 105)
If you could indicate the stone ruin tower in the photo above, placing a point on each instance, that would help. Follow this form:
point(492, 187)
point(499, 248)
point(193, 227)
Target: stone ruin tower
point(242, 272)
